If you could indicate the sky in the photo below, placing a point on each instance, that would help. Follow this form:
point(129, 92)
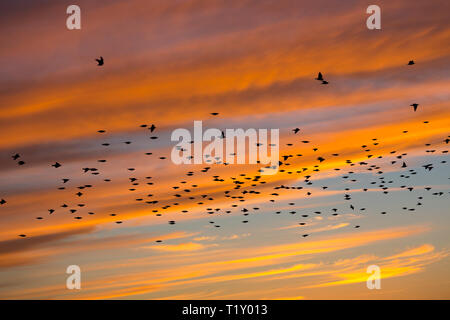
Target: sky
point(171, 63)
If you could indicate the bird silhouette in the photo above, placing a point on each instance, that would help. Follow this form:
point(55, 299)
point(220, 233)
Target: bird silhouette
point(56, 165)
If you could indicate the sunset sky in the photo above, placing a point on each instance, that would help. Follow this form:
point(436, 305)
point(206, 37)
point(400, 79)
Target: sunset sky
point(173, 62)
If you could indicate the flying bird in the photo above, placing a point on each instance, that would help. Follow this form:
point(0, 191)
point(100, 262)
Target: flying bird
point(56, 165)
point(99, 61)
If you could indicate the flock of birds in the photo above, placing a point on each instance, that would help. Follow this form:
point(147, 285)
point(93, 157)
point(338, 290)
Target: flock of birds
point(243, 186)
